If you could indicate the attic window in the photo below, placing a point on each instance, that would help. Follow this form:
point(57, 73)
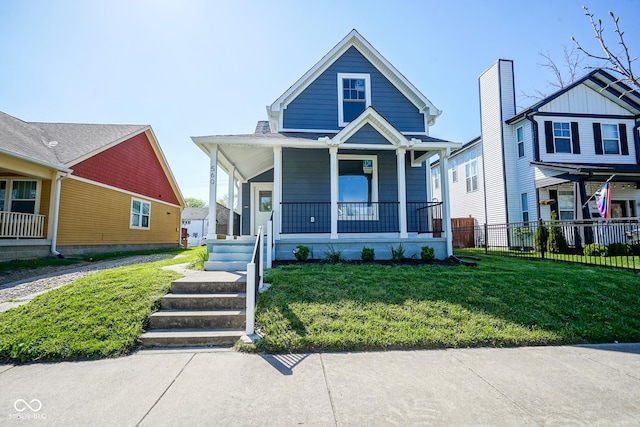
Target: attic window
point(354, 96)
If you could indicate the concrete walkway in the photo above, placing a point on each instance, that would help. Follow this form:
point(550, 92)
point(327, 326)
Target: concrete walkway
point(581, 385)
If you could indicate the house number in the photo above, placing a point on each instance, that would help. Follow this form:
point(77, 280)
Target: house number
point(212, 175)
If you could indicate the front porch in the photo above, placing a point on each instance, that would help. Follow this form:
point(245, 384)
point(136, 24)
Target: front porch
point(17, 225)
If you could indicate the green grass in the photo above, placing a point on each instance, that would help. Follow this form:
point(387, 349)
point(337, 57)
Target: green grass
point(502, 302)
point(35, 263)
point(628, 261)
point(100, 315)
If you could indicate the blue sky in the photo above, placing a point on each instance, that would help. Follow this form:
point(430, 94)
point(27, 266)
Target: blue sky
point(197, 67)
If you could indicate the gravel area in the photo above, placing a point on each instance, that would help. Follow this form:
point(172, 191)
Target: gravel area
point(24, 290)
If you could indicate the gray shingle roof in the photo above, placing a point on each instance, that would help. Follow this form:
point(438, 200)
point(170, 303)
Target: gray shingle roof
point(59, 144)
point(194, 213)
point(25, 140)
point(76, 140)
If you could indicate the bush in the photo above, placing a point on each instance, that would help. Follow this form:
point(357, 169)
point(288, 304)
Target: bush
point(368, 254)
point(556, 242)
point(332, 254)
point(540, 237)
point(594, 249)
point(427, 253)
point(634, 249)
point(301, 252)
point(398, 254)
point(617, 249)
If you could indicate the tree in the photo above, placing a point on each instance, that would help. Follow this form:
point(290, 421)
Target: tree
point(565, 72)
point(192, 202)
point(619, 63)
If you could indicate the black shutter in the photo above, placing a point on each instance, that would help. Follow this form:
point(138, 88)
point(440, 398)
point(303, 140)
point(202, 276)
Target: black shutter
point(597, 138)
point(575, 138)
point(548, 134)
point(624, 145)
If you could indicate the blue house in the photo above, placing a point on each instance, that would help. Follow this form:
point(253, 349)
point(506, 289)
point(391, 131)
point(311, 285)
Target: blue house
point(340, 163)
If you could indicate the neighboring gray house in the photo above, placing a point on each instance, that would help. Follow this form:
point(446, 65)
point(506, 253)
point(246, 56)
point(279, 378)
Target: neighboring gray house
point(196, 221)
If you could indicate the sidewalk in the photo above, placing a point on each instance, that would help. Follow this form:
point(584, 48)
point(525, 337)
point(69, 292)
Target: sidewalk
point(576, 385)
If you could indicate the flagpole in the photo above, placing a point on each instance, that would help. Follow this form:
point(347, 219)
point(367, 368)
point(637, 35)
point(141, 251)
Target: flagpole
point(585, 203)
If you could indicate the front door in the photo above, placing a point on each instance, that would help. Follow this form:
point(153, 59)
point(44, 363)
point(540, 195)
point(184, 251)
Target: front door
point(261, 203)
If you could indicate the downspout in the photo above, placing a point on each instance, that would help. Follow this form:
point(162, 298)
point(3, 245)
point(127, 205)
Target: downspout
point(536, 141)
point(636, 139)
point(56, 210)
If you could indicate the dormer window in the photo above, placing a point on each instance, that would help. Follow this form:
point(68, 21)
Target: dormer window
point(354, 96)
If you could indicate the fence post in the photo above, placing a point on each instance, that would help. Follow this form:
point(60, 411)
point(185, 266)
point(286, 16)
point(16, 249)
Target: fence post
point(486, 238)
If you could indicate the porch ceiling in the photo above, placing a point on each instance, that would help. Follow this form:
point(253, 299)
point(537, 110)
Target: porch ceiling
point(248, 161)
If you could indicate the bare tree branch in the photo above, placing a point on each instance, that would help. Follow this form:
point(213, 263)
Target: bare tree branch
point(620, 64)
point(571, 61)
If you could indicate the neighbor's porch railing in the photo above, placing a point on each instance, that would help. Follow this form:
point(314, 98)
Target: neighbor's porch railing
point(355, 217)
point(21, 225)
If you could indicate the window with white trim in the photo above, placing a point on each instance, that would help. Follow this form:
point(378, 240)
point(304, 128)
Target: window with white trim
point(525, 207)
point(140, 214)
point(3, 193)
point(565, 205)
point(562, 137)
point(23, 196)
point(520, 141)
point(454, 170)
point(357, 187)
point(436, 179)
point(471, 174)
point(354, 96)
point(610, 139)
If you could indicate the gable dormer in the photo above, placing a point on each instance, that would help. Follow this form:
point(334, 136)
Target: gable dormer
point(343, 84)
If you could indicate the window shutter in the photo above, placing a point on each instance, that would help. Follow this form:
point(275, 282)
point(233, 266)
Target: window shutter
point(624, 145)
point(597, 138)
point(548, 134)
point(575, 138)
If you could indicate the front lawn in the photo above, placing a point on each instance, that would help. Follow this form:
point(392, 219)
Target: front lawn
point(100, 315)
point(502, 302)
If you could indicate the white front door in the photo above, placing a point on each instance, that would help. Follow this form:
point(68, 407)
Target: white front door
point(261, 205)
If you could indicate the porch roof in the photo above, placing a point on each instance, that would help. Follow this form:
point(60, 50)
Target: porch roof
point(252, 154)
point(587, 171)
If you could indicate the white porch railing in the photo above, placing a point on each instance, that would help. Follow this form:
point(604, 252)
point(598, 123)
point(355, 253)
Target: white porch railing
point(21, 225)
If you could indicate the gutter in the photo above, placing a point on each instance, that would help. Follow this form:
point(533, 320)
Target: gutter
point(636, 139)
point(56, 211)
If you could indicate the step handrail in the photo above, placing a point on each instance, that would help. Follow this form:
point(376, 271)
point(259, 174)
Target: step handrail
point(255, 271)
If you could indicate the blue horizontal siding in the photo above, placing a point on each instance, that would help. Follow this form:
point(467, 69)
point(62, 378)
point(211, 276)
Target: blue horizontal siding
point(246, 199)
point(317, 106)
point(367, 135)
point(306, 192)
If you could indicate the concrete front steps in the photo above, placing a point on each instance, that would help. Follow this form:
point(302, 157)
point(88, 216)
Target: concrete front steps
point(232, 255)
point(202, 309)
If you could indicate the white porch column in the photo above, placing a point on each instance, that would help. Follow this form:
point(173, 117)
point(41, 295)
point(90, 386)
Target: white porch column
point(446, 208)
point(276, 197)
point(402, 192)
point(231, 192)
point(333, 162)
point(240, 202)
point(213, 192)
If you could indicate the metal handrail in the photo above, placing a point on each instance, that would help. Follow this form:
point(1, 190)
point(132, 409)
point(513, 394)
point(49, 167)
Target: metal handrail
point(254, 282)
